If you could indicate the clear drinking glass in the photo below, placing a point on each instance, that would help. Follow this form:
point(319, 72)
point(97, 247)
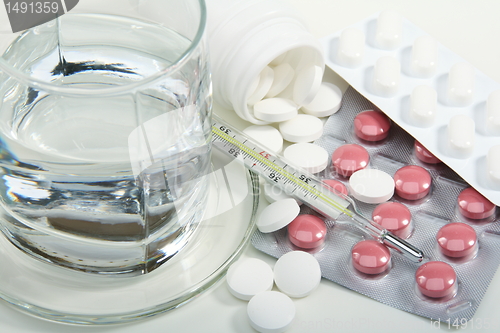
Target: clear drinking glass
point(105, 134)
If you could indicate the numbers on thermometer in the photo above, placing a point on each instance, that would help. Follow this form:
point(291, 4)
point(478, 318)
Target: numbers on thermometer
point(225, 130)
point(234, 152)
point(305, 179)
point(274, 177)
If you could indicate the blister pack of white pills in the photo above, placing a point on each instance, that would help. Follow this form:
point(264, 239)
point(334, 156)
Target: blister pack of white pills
point(435, 95)
point(400, 185)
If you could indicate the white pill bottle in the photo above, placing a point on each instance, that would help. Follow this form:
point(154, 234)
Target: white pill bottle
point(244, 37)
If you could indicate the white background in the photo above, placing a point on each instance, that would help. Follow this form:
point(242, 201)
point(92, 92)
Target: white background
point(470, 28)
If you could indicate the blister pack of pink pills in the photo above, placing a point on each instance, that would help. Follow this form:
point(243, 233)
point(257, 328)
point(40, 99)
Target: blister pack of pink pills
point(452, 108)
point(430, 206)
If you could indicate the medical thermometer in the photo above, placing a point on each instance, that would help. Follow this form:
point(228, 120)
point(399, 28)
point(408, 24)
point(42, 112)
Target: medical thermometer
point(302, 185)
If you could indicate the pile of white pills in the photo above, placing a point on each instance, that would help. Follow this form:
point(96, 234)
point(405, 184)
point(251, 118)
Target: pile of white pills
point(296, 274)
point(289, 104)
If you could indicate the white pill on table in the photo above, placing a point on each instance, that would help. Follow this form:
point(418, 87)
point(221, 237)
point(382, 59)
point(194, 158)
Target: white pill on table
point(386, 76)
point(297, 273)
point(327, 101)
point(493, 113)
point(461, 84)
point(283, 76)
point(271, 312)
point(266, 135)
point(248, 277)
point(301, 128)
point(389, 31)
point(351, 48)
point(424, 57)
point(493, 165)
point(461, 136)
point(307, 156)
point(307, 84)
point(266, 79)
point(372, 186)
point(275, 109)
point(277, 215)
point(423, 102)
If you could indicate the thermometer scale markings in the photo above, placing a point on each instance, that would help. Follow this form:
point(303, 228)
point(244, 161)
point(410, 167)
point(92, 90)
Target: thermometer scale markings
point(221, 133)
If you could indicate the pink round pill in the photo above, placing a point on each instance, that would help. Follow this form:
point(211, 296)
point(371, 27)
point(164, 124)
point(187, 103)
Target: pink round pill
point(307, 231)
point(436, 279)
point(338, 186)
point(474, 205)
point(370, 257)
point(350, 158)
point(371, 125)
point(457, 240)
point(424, 155)
point(393, 216)
point(412, 182)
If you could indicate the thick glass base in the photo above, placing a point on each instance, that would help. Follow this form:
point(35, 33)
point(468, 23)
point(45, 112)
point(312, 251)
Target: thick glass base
point(69, 296)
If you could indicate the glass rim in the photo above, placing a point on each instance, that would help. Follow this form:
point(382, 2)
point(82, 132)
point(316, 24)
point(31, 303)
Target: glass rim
point(108, 91)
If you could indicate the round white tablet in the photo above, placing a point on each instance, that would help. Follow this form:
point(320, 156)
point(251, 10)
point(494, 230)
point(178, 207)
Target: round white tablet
point(301, 128)
point(297, 273)
point(307, 84)
point(326, 102)
point(248, 277)
point(271, 312)
point(278, 215)
point(267, 136)
point(371, 186)
point(283, 75)
point(308, 156)
point(265, 82)
point(275, 109)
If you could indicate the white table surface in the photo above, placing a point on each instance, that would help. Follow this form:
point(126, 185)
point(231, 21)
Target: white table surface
point(471, 28)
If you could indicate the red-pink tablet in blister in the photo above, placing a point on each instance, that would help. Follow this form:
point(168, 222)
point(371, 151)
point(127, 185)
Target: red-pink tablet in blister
point(424, 155)
point(436, 279)
point(412, 182)
point(474, 205)
point(371, 257)
point(350, 158)
point(307, 231)
point(457, 240)
point(372, 125)
point(393, 216)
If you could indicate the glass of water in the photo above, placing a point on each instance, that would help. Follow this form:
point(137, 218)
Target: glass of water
point(104, 131)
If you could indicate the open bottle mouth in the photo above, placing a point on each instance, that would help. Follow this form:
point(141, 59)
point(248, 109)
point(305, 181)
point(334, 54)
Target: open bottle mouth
point(68, 30)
